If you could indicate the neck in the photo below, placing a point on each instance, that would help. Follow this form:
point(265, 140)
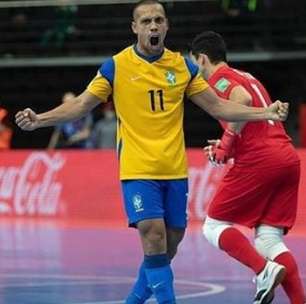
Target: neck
point(213, 68)
point(146, 52)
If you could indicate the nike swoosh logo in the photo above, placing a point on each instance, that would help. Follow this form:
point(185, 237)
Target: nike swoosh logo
point(135, 78)
point(158, 284)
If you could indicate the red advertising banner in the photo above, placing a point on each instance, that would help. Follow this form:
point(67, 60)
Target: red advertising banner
point(84, 185)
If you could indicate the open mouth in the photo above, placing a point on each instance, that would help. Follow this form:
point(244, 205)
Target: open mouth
point(154, 40)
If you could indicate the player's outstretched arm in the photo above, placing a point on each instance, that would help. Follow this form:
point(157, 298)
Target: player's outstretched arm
point(28, 120)
point(232, 111)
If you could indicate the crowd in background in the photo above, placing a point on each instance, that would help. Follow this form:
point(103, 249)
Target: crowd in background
point(71, 23)
point(94, 131)
point(87, 132)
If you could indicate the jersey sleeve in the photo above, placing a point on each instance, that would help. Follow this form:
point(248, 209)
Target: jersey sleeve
point(224, 85)
point(102, 85)
point(196, 84)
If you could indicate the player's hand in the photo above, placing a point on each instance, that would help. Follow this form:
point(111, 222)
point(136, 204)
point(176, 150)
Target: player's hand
point(278, 110)
point(27, 120)
point(210, 150)
point(220, 151)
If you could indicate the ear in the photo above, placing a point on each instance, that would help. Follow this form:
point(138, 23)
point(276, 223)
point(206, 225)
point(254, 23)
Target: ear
point(133, 27)
point(202, 58)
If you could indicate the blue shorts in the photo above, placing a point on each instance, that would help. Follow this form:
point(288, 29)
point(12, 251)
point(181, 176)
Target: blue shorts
point(153, 199)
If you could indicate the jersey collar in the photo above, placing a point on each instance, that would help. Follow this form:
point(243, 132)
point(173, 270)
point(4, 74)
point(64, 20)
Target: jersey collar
point(150, 58)
point(220, 69)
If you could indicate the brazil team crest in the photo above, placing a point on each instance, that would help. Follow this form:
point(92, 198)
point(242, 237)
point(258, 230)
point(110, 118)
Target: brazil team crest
point(137, 202)
point(171, 78)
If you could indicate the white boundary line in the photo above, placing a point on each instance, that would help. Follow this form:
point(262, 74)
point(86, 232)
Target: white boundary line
point(88, 279)
point(205, 278)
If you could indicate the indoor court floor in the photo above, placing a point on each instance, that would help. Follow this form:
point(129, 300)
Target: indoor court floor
point(48, 262)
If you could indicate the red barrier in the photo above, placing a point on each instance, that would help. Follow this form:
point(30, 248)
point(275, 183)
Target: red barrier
point(84, 185)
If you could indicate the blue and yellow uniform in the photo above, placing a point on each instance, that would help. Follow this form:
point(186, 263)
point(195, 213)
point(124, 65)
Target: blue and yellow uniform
point(148, 94)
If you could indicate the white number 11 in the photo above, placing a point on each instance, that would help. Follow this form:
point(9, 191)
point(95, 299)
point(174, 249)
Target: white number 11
point(262, 99)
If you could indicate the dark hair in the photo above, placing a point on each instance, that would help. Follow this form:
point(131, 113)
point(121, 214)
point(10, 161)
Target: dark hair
point(211, 44)
point(145, 2)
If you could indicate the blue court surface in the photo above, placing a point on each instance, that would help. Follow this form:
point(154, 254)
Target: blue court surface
point(50, 263)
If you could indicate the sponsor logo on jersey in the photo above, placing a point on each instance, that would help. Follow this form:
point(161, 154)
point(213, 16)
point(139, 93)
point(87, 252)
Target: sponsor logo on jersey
point(222, 85)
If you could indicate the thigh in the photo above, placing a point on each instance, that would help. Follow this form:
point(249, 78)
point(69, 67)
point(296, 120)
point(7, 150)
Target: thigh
point(175, 203)
point(241, 198)
point(282, 208)
point(143, 199)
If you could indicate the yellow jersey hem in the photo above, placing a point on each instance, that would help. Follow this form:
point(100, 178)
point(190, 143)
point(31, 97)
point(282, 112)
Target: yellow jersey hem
point(159, 177)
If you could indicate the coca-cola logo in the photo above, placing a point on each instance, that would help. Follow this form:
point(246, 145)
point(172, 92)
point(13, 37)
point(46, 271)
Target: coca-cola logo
point(203, 183)
point(32, 189)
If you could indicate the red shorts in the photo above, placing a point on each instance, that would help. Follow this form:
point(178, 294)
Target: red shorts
point(252, 197)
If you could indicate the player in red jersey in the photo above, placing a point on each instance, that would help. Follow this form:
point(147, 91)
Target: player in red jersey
point(260, 190)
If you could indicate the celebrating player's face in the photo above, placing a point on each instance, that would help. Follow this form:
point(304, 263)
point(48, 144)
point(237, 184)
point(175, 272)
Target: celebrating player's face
point(150, 25)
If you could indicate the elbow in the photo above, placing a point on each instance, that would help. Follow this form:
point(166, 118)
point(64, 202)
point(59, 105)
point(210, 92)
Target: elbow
point(218, 114)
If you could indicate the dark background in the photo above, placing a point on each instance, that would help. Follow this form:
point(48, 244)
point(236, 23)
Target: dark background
point(277, 28)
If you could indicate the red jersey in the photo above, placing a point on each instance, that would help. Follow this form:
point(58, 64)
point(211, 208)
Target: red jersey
point(262, 143)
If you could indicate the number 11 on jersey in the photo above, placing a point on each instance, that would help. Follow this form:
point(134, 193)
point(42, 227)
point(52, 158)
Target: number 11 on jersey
point(156, 94)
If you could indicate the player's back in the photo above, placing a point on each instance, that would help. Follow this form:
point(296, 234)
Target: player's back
point(262, 143)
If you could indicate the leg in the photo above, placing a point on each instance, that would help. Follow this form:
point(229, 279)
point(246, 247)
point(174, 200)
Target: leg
point(224, 236)
point(156, 262)
point(175, 216)
point(141, 291)
point(145, 209)
point(269, 243)
point(174, 237)
point(281, 212)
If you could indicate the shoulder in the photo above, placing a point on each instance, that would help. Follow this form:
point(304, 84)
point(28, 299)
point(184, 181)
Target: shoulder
point(192, 68)
point(223, 78)
point(178, 59)
point(124, 53)
point(107, 69)
point(109, 63)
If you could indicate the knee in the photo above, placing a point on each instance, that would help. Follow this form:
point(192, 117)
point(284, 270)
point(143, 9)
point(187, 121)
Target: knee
point(269, 241)
point(153, 239)
point(212, 229)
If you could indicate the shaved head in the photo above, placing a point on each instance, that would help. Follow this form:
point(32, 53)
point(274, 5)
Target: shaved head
point(145, 2)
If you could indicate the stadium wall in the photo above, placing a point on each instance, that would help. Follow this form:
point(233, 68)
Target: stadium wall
point(84, 186)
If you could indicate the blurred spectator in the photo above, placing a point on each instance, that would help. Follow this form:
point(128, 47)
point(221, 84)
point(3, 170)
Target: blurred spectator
point(19, 21)
point(64, 26)
point(104, 132)
point(75, 134)
point(237, 7)
point(5, 130)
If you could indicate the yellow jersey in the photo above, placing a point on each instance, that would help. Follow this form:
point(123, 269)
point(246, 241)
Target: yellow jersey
point(148, 94)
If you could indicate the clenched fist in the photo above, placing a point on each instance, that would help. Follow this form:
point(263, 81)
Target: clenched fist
point(27, 120)
point(278, 111)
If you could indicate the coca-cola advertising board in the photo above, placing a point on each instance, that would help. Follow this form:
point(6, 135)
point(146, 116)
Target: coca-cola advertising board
point(84, 185)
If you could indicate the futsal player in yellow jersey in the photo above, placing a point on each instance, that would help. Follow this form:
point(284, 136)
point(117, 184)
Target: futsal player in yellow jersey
point(148, 93)
point(148, 83)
